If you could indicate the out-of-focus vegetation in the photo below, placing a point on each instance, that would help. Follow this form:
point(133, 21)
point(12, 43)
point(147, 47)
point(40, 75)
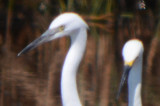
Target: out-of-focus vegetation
point(34, 78)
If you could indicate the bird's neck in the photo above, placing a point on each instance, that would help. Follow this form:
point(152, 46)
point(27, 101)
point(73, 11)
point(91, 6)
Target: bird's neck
point(134, 82)
point(68, 82)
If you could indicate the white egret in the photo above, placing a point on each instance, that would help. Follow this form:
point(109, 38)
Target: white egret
point(133, 56)
point(72, 25)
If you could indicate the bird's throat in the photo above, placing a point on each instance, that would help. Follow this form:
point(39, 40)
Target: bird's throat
point(69, 91)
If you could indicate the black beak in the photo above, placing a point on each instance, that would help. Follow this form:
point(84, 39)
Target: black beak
point(123, 79)
point(45, 37)
point(32, 45)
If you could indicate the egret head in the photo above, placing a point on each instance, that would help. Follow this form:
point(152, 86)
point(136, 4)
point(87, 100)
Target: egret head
point(63, 25)
point(66, 24)
point(68, 21)
point(132, 50)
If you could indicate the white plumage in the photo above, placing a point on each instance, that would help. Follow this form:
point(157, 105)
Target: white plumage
point(72, 25)
point(133, 56)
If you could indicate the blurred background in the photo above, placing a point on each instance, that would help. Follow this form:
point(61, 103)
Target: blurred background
point(33, 79)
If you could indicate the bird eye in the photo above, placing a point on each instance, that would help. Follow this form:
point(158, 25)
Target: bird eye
point(61, 28)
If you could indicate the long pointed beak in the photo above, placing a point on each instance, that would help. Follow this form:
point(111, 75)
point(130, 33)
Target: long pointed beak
point(45, 37)
point(125, 74)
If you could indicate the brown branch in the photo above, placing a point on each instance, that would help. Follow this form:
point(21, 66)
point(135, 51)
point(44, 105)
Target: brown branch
point(7, 43)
